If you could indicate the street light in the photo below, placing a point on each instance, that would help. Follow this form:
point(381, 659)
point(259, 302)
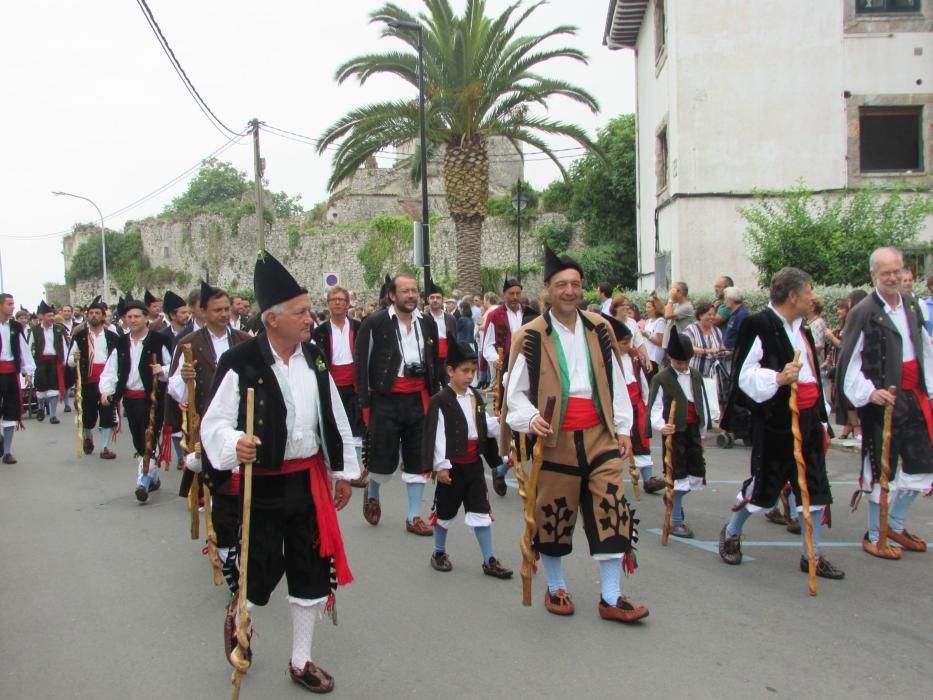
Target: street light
point(519, 202)
point(425, 233)
point(103, 239)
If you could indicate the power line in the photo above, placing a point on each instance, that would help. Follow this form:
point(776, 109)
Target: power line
point(192, 90)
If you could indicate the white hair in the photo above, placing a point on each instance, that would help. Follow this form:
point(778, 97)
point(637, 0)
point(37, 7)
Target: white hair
point(278, 310)
point(732, 294)
point(878, 252)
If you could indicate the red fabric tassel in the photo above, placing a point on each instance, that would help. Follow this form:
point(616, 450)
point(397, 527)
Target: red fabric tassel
point(629, 563)
point(827, 517)
point(740, 505)
point(534, 563)
point(433, 518)
point(118, 423)
point(331, 543)
point(366, 412)
point(330, 608)
point(60, 372)
point(165, 447)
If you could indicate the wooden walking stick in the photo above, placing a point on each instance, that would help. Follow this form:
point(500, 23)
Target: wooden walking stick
point(802, 482)
point(79, 409)
point(149, 445)
point(191, 429)
point(669, 476)
point(885, 473)
point(519, 457)
point(530, 496)
point(239, 656)
point(497, 389)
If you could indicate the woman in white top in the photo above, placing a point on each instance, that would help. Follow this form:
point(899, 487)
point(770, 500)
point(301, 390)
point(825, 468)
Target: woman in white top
point(653, 331)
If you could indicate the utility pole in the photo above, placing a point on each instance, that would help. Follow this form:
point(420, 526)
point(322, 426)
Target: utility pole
point(257, 176)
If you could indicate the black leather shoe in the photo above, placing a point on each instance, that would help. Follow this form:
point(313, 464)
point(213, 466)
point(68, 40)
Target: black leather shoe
point(494, 568)
point(142, 495)
point(730, 548)
point(54, 420)
point(8, 458)
point(823, 568)
point(499, 485)
point(441, 562)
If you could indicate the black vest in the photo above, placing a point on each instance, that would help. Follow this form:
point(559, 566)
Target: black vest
point(321, 336)
point(152, 344)
point(57, 338)
point(456, 429)
point(667, 379)
point(16, 332)
point(252, 360)
point(83, 340)
point(378, 374)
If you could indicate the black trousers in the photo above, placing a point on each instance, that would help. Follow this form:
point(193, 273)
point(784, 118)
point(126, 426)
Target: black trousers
point(46, 376)
point(11, 405)
point(395, 419)
point(137, 416)
point(92, 410)
point(688, 453)
point(467, 488)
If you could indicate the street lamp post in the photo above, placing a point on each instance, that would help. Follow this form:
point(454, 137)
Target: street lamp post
point(103, 239)
point(425, 224)
point(519, 202)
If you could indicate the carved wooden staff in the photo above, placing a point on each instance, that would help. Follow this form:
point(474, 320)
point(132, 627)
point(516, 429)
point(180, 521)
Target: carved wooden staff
point(192, 424)
point(802, 482)
point(530, 496)
point(149, 446)
point(669, 476)
point(79, 409)
point(885, 473)
point(519, 455)
point(239, 656)
point(497, 389)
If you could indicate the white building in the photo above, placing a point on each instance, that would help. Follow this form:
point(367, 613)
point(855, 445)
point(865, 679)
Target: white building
point(736, 97)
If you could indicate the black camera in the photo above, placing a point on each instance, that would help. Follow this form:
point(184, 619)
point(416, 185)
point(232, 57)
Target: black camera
point(413, 369)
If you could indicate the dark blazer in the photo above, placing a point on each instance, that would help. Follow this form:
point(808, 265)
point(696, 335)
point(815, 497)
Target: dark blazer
point(321, 336)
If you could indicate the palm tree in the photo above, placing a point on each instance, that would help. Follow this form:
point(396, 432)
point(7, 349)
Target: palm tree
point(481, 80)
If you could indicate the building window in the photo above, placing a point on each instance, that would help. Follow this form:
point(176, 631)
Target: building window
point(865, 7)
point(890, 139)
point(660, 29)
point(661, 163)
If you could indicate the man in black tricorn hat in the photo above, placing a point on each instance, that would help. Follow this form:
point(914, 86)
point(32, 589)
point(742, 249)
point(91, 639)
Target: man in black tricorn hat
point(15, 360)
point(446, 325)
point(568, 355)
point(154, 316)
point(302, 443)
point(177, 314)
point(502, 323)
point(49, 348)
point(90, 348)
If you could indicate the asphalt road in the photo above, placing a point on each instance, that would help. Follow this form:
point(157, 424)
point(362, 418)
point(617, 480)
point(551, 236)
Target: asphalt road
point(103, 598)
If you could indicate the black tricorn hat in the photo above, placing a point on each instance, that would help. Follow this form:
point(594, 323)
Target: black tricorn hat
point(618, 327)
point(171, 302)
point(131, 303)
point(384, 289)
point(679, 346)
point(554, 264)
point(44, 308)
point(149, 298)
point(121, 306)
point(272, 283)
point(96, 303)
point(511, 282)
point(434, 289)
point(458, 353)
point(208, 292)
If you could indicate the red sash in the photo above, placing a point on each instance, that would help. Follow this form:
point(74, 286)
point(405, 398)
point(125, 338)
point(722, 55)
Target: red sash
point(638, 413)
point(134, 394)
point(910, 381)
point(330, 542)
point(7, 367)
point(412, 385)
point(580, 415)
point(96, 371)
point(692, 417)
point(442, 348)
point(470, 456)
point(344, 375)
point(808, 393)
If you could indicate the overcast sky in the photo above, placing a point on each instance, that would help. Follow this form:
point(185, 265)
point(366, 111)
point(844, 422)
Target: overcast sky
point(92, 106)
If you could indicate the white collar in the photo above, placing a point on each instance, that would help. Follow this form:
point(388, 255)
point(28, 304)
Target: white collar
point(793, 325)
point(414, 314)
point(296, 352)
point(888, 309)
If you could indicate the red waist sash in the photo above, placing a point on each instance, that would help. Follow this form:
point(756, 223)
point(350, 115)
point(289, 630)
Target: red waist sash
point(442, 348)
point(634, 391)
point(344, 375)
point(330, 541)
point(470, 456)
point(96, 371)
point(692, 416)
point(134, 394)
point(910, 381)
point(580, 415)
point(7, 367)
point(412, 385)
point(808, 393)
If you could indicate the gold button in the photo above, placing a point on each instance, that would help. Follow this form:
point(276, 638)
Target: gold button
point(260, 421)
point(261, 402)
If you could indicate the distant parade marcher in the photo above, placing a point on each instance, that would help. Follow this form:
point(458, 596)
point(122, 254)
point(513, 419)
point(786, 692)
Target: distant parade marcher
point(336, 338)
point(208, 345)
point(885, 347)
point(301, 445)
point(568, 354)
point(15, 361)
point(764, 371)
point(90, 348)
point(446, 326)
point(459, 433)
point(154, 316)
point(681, 383)
point(396, 374)
point(177, 314)
point(502, 323)
point(49, 348)
point(131, 376)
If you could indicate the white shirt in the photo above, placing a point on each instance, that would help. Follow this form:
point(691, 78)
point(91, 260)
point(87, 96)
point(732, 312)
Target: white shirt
point(659, 420)
point(304, 417)
point(628, 371)
point(655, 327)
point(100, 347)
point(521, 411)
point(489, 339)
point(412, 347)
point(857, 386)
point(606, 306)
point(48, 349)
point(6, 351)
point(637, 338)
point(341, 352)
point(108, 379)
point(441, 324)
point(177, 386)
point(467, 405)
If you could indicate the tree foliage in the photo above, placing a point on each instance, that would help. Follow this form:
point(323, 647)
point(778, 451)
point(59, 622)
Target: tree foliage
point(831, 236)
point(217, 188)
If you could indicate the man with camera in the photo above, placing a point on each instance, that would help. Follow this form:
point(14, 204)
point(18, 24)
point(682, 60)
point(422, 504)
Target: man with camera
point(396, 373)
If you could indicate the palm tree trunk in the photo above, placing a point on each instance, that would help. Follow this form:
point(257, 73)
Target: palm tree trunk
point(469, 253)
point(466, 186)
